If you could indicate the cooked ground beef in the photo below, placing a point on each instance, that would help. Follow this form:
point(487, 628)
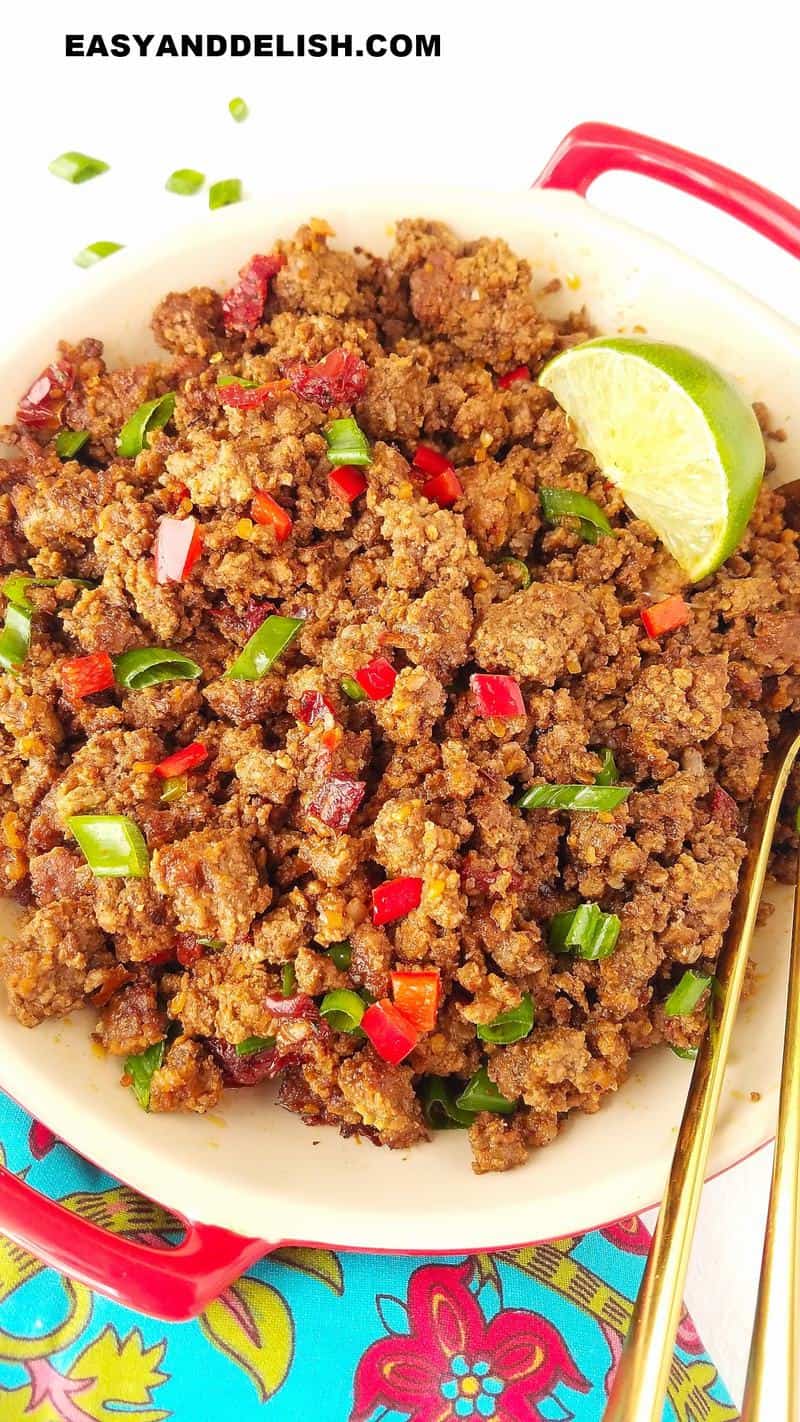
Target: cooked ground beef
point(306, 797)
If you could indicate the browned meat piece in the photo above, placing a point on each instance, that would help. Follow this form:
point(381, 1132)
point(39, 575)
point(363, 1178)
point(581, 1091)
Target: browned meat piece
point(542, 633)
point(189, 1079)
point(189, 322)
point(59, 874)
point(46, 969)
point(131, 1020)
point(498, 1143)
point(383, 1097)
point(212, 883)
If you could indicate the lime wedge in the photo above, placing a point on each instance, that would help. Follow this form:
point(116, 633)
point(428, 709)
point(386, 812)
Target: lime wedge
point(673, 434)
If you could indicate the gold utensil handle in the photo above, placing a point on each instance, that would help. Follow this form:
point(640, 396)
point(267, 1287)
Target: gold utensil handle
point(773, 1374)
point(640, 1385)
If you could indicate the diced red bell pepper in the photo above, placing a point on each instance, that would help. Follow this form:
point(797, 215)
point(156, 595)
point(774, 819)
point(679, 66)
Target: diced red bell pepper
point(347, 482)
point(430, 461)
point(339, 379)
point(243, 306)
point(337, 799)
point(497, 695)
point(377, 678)
point(417, 997)
point(665, 616)
point(389, 1031)
point(178, 547)
point(187, 758)
point(443, 489)
point(271, 514)
point(521, 373)
point(251, 397)
point(40, 408)
point(83, 676)
point(395, 898)
point(315, 707)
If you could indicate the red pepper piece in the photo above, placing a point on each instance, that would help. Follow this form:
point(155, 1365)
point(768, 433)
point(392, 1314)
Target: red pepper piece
point(377, 678)
point(117, 977)
point(394, 899)
point(178, 547)
point(521, 373)
point(301, 1005)
point(337, 800)
point(347, 482)
point(443, 489)
point(243, 306)
point(157, 960)
point(665, 616)
point(339, 379)
point(40, 408)
point(187, 758)
point(83, 676)
point(189, 950)
point(497, 695)
point(271, 514)
point(391, 1034)
point(251, 1069)
point(251, 397)
point(314, 707)
point(430, 461)
point(417, 997)
point(240, 625)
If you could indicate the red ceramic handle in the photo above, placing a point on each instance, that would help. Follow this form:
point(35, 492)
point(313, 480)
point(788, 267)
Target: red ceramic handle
point(595, 148)
point(172, 1283)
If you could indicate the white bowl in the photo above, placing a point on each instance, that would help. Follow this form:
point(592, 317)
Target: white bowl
point(252, 1167)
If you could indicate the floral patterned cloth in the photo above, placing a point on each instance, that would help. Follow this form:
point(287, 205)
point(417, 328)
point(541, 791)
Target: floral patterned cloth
point(531, 1335)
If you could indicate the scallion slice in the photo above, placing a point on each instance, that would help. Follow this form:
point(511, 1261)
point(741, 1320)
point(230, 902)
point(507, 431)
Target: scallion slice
point(481, 1094)
point(608, 773)
point(510, 1026)
point(70, 442)
point(15, 638)
point(347, 443)
point(288, 980)
point(574, 797)
point(342, 1009)
point(585, 931)
point(341, 954)
point(113, 846)
point(185, 182)
point(141, 1070)
point(149, 666)
point(77, 167)
point(264, 647)
point(224, 193)
point(174, 789)
point(351, 689)
point(238, 110)
point(519, 568)
point(150, 416)
point(558, 504)
point(438, 1096)
point(687, 993)
point(96, 252)
point(251, 1045)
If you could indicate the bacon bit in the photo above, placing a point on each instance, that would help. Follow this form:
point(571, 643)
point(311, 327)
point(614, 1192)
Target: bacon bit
point(430, 461)
point(417, 995)
point(268, 511)
point(188, 758)
point(443, 489)
point(178, 547)
point(301, 1005)
point(394, 899)
point(117, 978)
point(521, 373)
point(243, 306)
point(497, 696)
point(337, 800)
point(83, 676)
point(339, 379)
point(724, 809)
point(251, 397)
point(665, 616)
point(189, 949)
point(315, 707)
point(41, 407)
point(377, 678)
point(347, 482)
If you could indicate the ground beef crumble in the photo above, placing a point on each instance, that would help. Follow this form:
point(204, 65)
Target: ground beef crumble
point(261, 868)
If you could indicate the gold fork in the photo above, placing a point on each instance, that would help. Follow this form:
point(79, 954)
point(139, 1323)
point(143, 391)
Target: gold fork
point(641, 1380)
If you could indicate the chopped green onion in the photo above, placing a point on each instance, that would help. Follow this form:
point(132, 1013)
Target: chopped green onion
point(15, 638)
point(153, 415)
point(574, 797)
point(341, 954)
point(687, 993)
point(438, 1096)
point(342, 1009)
point(520, 568)
point(113, 846)
point(141, 1070)
point(15, 585)
point(254, 1044)
point(71, 442)
point(185, 182)
point(225, 192)
point(264, 647)
point(586, 931)
point(608, 774)
point(510, 1026)
point(224, 380)
point(238, 110)
point(149, 666)
point(175, 788)
point(347, 444)
point(566, 503)
point(77, 167)
point(214, 943)
point(96, 252)
point(481, 1094)
point(288, 980)
point(350, 687)
point(689, 1053)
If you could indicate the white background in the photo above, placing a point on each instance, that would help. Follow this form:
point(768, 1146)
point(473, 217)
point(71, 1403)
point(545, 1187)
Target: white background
point(719, 78)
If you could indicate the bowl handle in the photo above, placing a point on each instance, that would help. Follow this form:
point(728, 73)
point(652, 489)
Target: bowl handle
point(595, 148)
point(174, 1284)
